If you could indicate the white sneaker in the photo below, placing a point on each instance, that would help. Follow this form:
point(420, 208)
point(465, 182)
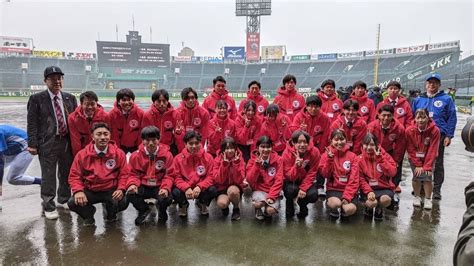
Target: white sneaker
point(417, 202)
point(428, 204)
point(52, 215)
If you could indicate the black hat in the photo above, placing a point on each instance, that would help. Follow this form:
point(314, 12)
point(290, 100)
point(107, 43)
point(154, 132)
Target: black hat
point(52, 70)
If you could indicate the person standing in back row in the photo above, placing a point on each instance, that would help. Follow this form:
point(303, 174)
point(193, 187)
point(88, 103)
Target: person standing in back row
point(288, 99)
point(442, 110)
point(219, 93)
point(48, 136)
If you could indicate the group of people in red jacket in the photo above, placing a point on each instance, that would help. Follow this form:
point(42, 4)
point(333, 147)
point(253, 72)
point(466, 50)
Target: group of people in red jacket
point(302, 148)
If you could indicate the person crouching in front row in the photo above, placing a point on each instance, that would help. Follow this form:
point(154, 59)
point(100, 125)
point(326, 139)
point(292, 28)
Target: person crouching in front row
point(265, 177)
point(340, 167)
point(98, 175)
point(150, 175)
point(192, 174)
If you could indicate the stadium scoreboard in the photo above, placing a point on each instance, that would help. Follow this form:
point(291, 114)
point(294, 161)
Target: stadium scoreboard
point(133, 53)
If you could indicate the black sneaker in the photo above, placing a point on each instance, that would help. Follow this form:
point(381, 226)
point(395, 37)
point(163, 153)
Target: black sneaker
point(369, 213)
point(162, 215)
point(225, 211)
point(303, 211)
point(436, 196)
point(141, 217)
point(89, 221)
point(378, 215)
point(334, 214)
point(290, 207)
point(235, 214)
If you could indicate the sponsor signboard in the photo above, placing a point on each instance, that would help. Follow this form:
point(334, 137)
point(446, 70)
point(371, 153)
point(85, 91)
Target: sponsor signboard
point(350, 55)
point(323, 57)
point(381, 52)
point(234, 52)
point(273, 52)
point(411, 49)
point(81, 56)
point(48, 54)
point(16, 44)
point(212, 59)
point(182, 58)
point(134, 71)
point(300, 57)
point(253, 46)
point(443, 45)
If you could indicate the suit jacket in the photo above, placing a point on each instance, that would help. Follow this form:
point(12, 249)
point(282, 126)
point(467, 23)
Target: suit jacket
point(41, 120)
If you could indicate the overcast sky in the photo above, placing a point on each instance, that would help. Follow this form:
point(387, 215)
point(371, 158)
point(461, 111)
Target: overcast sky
point(304, 27)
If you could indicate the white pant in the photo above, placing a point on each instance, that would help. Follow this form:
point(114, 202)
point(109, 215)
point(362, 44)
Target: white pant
point(18, 165)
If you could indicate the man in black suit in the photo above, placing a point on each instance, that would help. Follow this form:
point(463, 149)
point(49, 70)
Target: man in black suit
point(48, 136)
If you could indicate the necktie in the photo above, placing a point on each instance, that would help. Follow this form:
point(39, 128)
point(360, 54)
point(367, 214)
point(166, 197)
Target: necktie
point(101, 154)
point(62, 130)
point(385, 130)
point(393, 103)
point(349, 124)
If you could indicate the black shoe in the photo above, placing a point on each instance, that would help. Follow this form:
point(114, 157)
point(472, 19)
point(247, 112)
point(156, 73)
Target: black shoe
point(303, 211)
point(378, 215)
point(290, 208)
point(436, 196)
point(163, 215)
point(141, 217)
point(334, 214)
point(235, 214)
point(225, 211)
point(369, 213)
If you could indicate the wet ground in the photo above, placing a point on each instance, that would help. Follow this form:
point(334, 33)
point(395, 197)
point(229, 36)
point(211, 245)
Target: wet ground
point(408, 237)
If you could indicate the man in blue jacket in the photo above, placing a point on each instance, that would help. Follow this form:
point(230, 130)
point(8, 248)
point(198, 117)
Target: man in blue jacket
point(442, 110)
point(14, 154)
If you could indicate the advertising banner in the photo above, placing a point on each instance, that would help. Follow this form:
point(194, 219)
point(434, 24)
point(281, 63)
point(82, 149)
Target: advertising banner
point(410, 49)
point(273, 52)
point(182, 58)
point(381, 52)
point(48, 54)
point(234, 52)
point(300, 57)
point(81, 56)
point(323, 57)
point(350, 55)
point(212, 59)
point(16, 45)
point(443, 45)
point(134, 71)
point(253, 46)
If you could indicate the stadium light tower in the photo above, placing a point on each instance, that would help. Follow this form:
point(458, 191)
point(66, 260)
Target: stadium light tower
point(377, 57)
point(253, 10)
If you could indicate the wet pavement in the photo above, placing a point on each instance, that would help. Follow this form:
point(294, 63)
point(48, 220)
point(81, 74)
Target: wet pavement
point(408, 237)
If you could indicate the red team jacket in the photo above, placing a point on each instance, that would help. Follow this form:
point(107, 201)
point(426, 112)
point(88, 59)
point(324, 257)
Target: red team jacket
point(332, 106)
point(366, 107)
point(166, 122)
point(318, 127)
point(259, 100)
point(304, 175)
point(80, 127)
point(191, 170)
point(290, 103)
point(210, 103)
point(151, 173)
point(215, 137)
point(126, 130)
point(227, 174)
point(403, 113)
point(422, 147)
point(354, 135)
point(247, 135)
point(269, 180)
point(277, 130)
point(191, 119)
point(91, 172)
point(376, 172)
point(393, 141)
point(341, 171)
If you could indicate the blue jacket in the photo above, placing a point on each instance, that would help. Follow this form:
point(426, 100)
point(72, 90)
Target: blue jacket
point(12, 140)
point(441, 108)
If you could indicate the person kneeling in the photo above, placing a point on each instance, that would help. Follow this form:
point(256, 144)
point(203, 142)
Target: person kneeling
point(265, 177)
point(301, 162)
point(229, 174)
point(150, 170)
point(340, 167)
point(377, 170)
point(192, 170)
point(98, 174)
